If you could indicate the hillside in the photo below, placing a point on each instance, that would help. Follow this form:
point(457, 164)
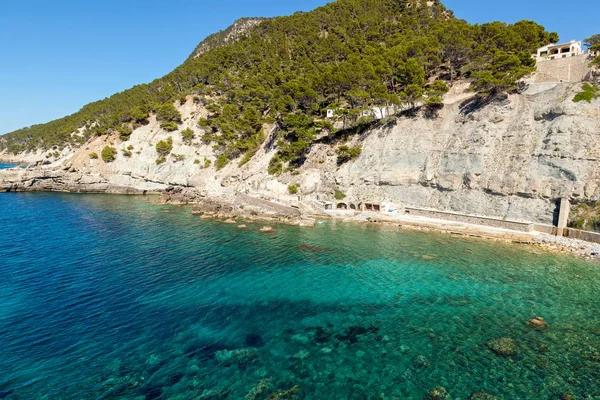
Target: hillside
point(420, 117)
point(349, 55)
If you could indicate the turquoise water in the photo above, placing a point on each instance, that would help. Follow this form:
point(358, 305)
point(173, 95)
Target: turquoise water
point(106, 297)
point(4, 166)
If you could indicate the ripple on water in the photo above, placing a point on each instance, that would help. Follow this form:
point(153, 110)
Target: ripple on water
point(110, 297)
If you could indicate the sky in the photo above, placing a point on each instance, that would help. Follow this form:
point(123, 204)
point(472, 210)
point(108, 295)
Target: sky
point(58, 55)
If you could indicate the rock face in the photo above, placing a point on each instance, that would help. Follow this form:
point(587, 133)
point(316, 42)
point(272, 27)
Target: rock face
point(514, 158)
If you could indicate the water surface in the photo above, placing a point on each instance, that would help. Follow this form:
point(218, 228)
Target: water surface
point(113, 297)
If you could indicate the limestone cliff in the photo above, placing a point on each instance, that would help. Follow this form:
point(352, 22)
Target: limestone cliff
point(511, 158)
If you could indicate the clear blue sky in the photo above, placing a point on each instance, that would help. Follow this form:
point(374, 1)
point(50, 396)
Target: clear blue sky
point(56, 56)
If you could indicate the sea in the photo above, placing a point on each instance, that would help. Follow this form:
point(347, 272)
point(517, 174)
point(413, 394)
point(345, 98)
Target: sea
point(115, 297)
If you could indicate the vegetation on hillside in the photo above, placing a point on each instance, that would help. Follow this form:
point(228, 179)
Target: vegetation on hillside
point(593, 44)
point(588, 93)
point(349, 56)
point(585, 216)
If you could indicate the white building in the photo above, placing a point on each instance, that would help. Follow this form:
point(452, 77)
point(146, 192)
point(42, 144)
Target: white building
point(556, 51)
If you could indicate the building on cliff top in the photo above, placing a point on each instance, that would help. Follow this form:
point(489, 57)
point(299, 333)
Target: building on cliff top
point(556, 51)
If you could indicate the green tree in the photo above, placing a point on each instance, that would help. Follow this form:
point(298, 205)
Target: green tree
point(187, 136)
point(164, 147)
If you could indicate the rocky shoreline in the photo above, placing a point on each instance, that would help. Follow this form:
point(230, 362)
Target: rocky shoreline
point(236, 206)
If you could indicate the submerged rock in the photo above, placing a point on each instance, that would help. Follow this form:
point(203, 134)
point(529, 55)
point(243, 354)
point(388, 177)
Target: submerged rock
point(230, 221)
point(290, 394)
point(239, 356)
point(421, 362)
point(504, 347)
point(266, 229)
point(301, 355)
point(439, 393)
point(254, 340)
point(351, 334)
point(538, 323)
point(482, 396)
point(567, 396)
point(242, 226)
point(258, 390)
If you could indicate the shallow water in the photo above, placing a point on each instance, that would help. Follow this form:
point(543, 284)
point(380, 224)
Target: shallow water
point(113, 297)
point(5, 166)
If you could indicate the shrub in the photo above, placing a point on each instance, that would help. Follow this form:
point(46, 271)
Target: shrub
point(293, 189)
point(169, 126)
point(588, 93)
point(178, 157)
point(93, 156)
point(187, 135)
point(109, 154)
point(275, 166)
point(164, 147)
point(125, 132)
point(221, 162)
point(346, 153)
point(130, 147)
point(126, 153)
point(161, 160)
point(339, 195)
point(196, 161)
point(207, 163)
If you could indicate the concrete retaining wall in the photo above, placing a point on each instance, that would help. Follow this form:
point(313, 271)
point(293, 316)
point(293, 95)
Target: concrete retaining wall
point(593, 237)
point(472, 219)
point(549, 229)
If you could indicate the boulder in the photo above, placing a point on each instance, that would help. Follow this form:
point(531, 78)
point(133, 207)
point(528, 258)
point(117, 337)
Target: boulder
point(504, 347)
point(266, 229)
point(230, 221)
point(242, 226)
point(537, 323)
point(439, 393)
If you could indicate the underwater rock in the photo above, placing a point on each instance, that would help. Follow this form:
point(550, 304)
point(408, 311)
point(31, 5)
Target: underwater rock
point(242, 226)
point(301, 339)
point(504, 347)
point(351, 334)
point(266, 229)
point(325, 350)
point(566, 396)
point(230, 221)
point(439, 393)
point(537, 323)
point(254, 340)
point(482, 396)
point(321, 336)
point(421, 362)
point(301, 355)
point(258, 390)
point(290, 394)
point(239, 356)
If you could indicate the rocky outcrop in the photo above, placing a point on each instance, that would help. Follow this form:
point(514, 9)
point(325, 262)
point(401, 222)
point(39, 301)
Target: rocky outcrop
point(511, 158)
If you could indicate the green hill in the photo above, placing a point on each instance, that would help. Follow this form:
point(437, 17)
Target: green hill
point(347, 55)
